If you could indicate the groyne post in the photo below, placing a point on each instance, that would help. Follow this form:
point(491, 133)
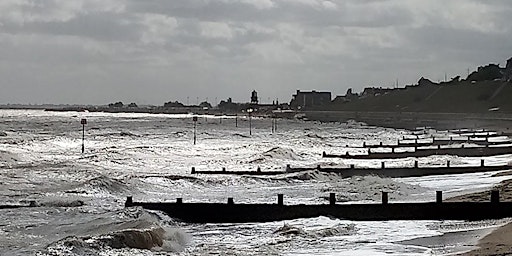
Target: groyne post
point(258, 169)
point(495, 196)
point(439, 197)
point(129, 201)
point(288, 168)
point(352, 166)
point(223, 169)
point(324, 154)
point(448, 163)
point(230, 200)
point(318, 167)
point(382, 165)
point(482, 162)
point(280, 199)
point(384, 197)
point(193, 170)
point(364, 144)
point(332, 198)
point(179, 200)
point(415, 163)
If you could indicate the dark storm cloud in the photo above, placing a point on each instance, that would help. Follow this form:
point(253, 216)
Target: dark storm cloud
point(154, 51)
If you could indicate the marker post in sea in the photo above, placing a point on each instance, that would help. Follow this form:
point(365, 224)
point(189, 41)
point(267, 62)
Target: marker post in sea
point(195, 122)
point(83, 122)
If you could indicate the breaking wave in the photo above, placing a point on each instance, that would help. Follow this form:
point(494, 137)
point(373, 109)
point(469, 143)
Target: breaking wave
point(369, 188)
point(146, 231)
point(58, 203)
point(338, 230)
point(310, 175)
point(100, 184)
point(276, 153)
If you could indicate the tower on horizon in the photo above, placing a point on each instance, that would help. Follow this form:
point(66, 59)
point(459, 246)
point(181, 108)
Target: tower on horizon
point(254, 97)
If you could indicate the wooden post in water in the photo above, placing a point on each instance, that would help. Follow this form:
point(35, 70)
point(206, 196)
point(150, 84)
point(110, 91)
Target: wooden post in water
point(332, 198)
point(179, 200)
point(495, 196)
point(384, 197)
point(439, 197)
point(482, 162)
point(129, 201)
point(280, 199)
point(230, 200)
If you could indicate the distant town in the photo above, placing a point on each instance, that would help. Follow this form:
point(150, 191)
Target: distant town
point(486, 89)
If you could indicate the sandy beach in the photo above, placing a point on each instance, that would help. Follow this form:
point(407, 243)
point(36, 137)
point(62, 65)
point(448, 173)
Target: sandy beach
point(499, 241)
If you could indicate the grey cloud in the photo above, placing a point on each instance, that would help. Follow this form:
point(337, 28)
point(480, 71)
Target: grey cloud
point(155, 51)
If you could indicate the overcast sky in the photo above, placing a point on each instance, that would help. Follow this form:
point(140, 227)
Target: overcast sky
point(154, 51)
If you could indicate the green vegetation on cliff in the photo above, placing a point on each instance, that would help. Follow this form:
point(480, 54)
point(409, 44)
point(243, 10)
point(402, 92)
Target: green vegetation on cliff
point(464, 96)
point(489, 88)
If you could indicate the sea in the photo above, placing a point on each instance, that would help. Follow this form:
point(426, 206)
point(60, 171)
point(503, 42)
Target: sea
point(79, 197)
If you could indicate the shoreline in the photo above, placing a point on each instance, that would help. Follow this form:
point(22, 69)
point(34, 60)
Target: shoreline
point(495, 240)
point(499, 240)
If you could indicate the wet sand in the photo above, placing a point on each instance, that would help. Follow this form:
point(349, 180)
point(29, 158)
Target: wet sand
point(499, 241)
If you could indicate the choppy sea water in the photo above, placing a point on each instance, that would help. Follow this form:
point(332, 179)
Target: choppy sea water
point(80, 197)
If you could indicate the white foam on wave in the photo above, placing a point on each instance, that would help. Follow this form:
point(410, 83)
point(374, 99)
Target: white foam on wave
point(276, 153)
point(142, 230)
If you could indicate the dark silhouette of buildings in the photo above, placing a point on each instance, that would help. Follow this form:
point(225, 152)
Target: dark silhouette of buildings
point(303, 100)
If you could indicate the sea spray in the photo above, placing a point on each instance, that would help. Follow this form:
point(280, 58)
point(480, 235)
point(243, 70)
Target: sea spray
point(136, 229)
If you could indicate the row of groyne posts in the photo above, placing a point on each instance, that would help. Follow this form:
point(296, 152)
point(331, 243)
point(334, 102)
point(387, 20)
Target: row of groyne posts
point(195, 119)
point(494, 198)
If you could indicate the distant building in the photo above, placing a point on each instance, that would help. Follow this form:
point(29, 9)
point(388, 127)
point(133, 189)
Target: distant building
point(302, 100)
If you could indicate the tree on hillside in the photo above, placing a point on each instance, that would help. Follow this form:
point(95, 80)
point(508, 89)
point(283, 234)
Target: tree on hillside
point(486, 73)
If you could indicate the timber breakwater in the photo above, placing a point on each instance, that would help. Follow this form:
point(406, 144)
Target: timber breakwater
point(232, 212)
point(383, 171)
point(423, 152)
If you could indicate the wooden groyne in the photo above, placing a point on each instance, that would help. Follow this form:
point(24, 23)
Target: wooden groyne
point(397, 172)
point(383, 171)
point(433, 142)
point(241, 213)
point(224, 171)
point(423, 152)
